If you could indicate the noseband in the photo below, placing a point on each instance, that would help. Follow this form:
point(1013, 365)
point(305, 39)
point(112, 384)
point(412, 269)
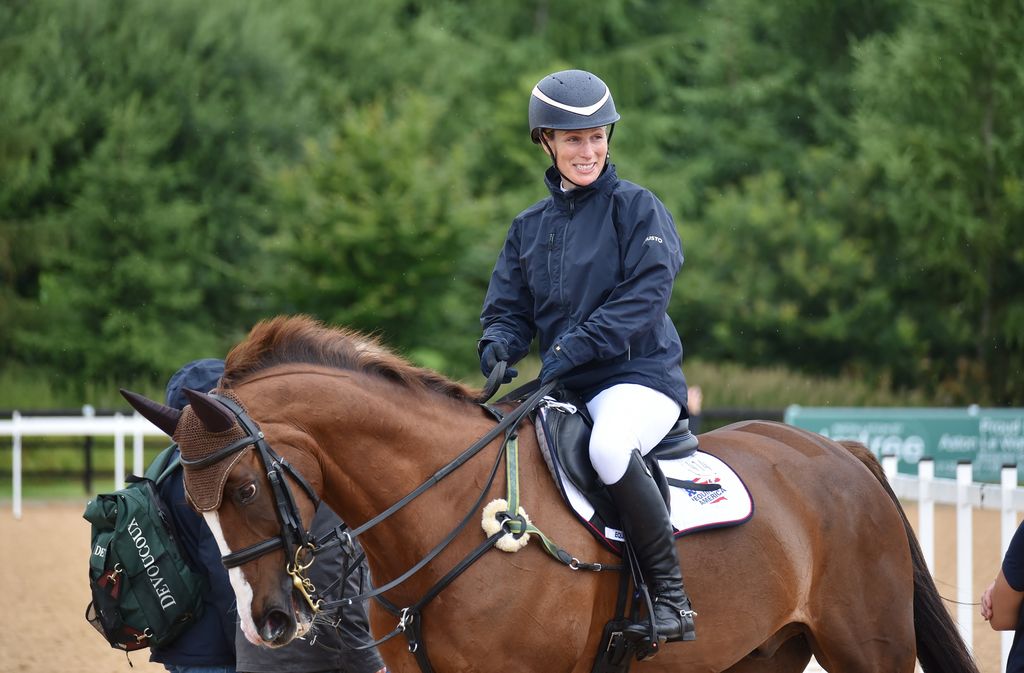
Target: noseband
point(294, 538)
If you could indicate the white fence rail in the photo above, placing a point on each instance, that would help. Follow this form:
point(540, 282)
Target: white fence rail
point(924, 488)
point(117, 426)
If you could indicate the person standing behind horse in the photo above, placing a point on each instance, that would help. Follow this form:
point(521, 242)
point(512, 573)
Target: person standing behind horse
point(589, 271)
point(208, 646)
point(1002, 603)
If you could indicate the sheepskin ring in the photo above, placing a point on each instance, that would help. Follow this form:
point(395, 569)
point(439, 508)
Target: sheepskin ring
point(495, 513)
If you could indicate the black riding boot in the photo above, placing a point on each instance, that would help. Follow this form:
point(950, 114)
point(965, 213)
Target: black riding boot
point(645, 521)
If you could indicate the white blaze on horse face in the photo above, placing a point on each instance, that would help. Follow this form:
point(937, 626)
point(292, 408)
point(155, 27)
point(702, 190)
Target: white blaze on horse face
point(243, 592)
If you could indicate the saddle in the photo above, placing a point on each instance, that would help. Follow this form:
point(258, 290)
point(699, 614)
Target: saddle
point(700, 491)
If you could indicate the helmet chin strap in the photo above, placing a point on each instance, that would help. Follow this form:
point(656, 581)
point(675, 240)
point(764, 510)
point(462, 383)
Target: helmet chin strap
point(554, 157)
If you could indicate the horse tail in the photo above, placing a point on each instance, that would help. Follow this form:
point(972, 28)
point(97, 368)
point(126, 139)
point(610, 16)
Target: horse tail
point(940, 648)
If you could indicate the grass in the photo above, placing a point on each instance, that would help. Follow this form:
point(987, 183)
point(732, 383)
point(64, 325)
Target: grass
point(730, 385)
point(42, 462)
point(54, 489)
point(723, 384)
point(22, 388)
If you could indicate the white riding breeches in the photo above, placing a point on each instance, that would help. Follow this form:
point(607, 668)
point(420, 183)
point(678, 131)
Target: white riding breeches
point(627, 417)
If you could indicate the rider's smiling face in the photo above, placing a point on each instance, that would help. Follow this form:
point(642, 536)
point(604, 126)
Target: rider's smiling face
point(580, 154)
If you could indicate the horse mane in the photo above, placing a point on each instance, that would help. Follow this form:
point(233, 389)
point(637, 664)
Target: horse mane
point(301, 339)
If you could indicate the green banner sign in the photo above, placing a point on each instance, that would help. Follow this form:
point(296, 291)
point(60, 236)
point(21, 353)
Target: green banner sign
point(988, 438)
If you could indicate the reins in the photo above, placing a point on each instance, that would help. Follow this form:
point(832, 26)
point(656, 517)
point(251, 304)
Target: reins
point(297, 541)
point(507, 424)
point(511, 522)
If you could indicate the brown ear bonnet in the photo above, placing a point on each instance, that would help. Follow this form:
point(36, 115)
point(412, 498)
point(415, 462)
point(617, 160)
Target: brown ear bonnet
point(204, 486)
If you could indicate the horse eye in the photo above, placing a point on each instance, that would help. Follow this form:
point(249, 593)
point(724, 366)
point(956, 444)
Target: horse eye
point(247, 492)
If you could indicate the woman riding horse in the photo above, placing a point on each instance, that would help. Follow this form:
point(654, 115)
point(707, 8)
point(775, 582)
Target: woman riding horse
point(590, 270)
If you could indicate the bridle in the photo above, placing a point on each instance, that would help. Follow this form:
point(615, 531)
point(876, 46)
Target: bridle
point(297, 541)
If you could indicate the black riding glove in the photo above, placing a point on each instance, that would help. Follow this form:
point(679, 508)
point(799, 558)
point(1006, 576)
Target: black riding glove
point(492, 353)
point(554, 364)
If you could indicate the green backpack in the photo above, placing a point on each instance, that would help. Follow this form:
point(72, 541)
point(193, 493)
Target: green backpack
point(144, 592)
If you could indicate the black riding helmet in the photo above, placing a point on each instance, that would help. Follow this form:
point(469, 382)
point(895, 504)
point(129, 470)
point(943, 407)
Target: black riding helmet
point(570, 99)
point(567, 100)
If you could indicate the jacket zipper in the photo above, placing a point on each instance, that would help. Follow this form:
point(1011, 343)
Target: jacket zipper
point(561, 260)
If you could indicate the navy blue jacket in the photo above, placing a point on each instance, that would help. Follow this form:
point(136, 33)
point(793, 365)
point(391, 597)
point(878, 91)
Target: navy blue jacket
point(591, 270)
point(325, 648)
point(211, 640)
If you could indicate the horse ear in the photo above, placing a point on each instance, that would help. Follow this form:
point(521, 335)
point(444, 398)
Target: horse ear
point(214, 416)
point(163, 417)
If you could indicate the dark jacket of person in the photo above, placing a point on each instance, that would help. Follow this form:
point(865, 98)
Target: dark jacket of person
point(323, 648)
point(591, 270)
point(210, 641)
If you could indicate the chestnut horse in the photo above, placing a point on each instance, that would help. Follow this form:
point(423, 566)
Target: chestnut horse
point(827, 566)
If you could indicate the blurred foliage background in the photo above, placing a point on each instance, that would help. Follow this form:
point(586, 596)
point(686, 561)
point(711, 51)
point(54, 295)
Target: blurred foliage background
point(846, 178)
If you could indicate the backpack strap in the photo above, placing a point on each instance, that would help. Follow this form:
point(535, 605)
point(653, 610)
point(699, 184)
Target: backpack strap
point(165, 463)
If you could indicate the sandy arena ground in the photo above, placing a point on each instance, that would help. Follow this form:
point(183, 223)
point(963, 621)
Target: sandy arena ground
point(43, 570)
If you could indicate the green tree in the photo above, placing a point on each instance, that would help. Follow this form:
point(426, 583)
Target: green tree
point(940, 131)
point(761, 173)
point(170, 173)
point(143, 128)
point(797, 288)
point(377, 221)
point(754, 86)
point(36, 126)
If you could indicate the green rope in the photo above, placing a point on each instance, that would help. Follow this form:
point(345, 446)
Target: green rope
point(512, 473)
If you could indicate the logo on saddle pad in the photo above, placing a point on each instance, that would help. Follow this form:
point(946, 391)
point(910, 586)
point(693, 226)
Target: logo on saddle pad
point(707, 497)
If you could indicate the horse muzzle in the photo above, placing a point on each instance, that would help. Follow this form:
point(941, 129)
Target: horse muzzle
point(279, 626)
